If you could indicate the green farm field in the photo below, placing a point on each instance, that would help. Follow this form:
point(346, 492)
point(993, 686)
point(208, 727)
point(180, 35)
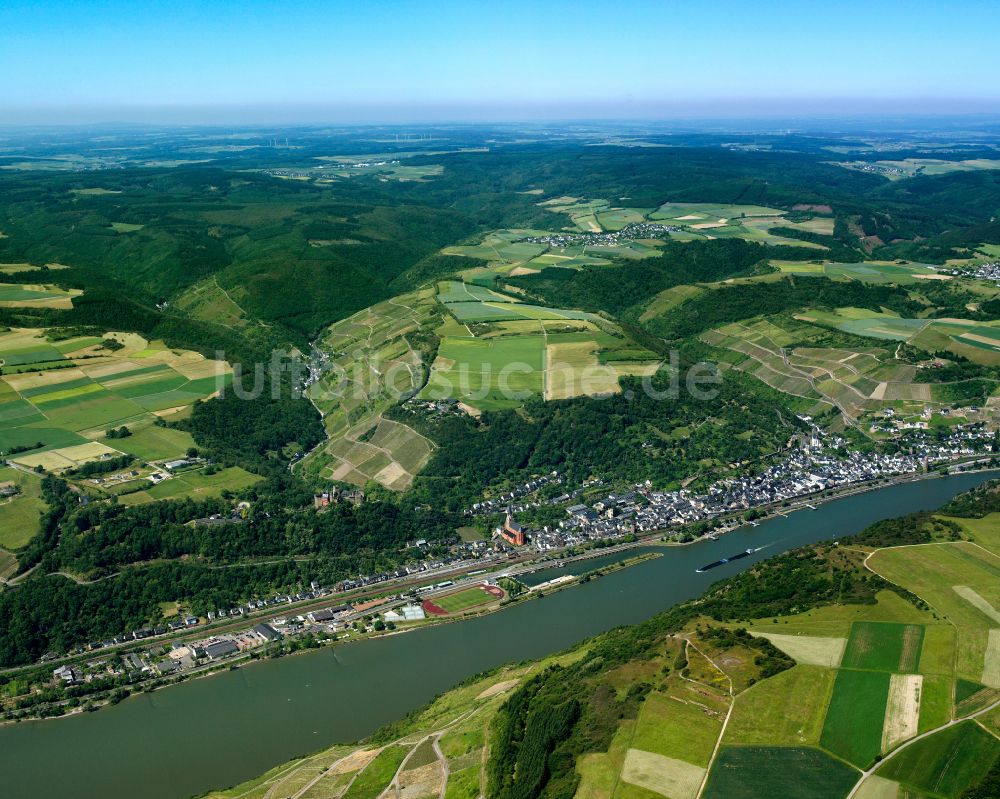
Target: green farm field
point(754, 772)
point(947, 763)
point(881, 646)
point(961, 582)
point(376, 361)
point(785, 710)
point(94, 388)
point(531, 349)
point(670, 726)
point(488, 373)
point(20, 515)
point(853, 725)
point(149, 442)
point(865, 271)
point(376, 777)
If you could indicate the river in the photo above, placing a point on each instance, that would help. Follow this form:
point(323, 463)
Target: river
point(221, 730)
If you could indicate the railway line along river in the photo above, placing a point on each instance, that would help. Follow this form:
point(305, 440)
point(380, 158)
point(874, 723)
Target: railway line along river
point(218, 731)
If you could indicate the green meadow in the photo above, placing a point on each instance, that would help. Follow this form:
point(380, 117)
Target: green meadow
point(853, 725)
point(753, 772)
point(196, 484)
point(485, 372)
point(947, 763)
point(20, 515)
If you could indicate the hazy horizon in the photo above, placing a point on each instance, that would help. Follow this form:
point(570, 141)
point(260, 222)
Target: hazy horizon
point(398, 61)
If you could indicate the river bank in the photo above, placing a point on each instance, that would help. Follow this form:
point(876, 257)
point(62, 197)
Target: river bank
point(526, 566)
point(208, 733)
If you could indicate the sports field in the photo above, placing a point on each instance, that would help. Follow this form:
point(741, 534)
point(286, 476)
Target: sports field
point(463, 600)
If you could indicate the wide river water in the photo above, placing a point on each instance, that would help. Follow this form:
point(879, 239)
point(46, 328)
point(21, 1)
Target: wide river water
point(221, 730)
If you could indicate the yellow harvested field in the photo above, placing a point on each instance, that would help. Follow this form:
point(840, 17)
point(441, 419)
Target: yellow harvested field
point(420, 783)
point(30, 380)
point(636, 369)
point(876, 787)
point(499, 688)
point(708, 225)
point(666, 776)
point(342, 471)
point(355, 761)
point(131, 341)
point(394, 476)
point(902, 710)
point(809, 649)
point(67, 457)
point(991, 662)
point(199, 367)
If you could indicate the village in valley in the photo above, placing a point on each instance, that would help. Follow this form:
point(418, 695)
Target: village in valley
point(816, 467)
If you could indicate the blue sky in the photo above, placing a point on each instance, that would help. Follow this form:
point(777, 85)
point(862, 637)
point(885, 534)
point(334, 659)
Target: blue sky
point(66, 59)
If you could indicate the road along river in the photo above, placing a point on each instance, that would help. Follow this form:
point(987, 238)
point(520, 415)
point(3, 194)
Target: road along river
point(221, 730)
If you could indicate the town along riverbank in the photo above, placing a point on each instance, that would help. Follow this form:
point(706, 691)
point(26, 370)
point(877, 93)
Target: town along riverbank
point(209, 733)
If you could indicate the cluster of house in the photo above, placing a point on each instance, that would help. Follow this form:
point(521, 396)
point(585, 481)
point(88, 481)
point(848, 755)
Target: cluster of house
point(888, 421)
point(504, 500)
point(120, 477)
point(878, 169)
point(636, 230)
point(811, 468)
point(989, 271)
point(183, 463)
point(459, 555)
point(336, 494)
point(179, 658)
point(986, 271)
point(441, 407)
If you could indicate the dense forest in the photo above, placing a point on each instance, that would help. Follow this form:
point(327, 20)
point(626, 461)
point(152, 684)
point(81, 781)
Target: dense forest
point(618, 288)
point(134, 558)
point(647, 432)
point(746, 300)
